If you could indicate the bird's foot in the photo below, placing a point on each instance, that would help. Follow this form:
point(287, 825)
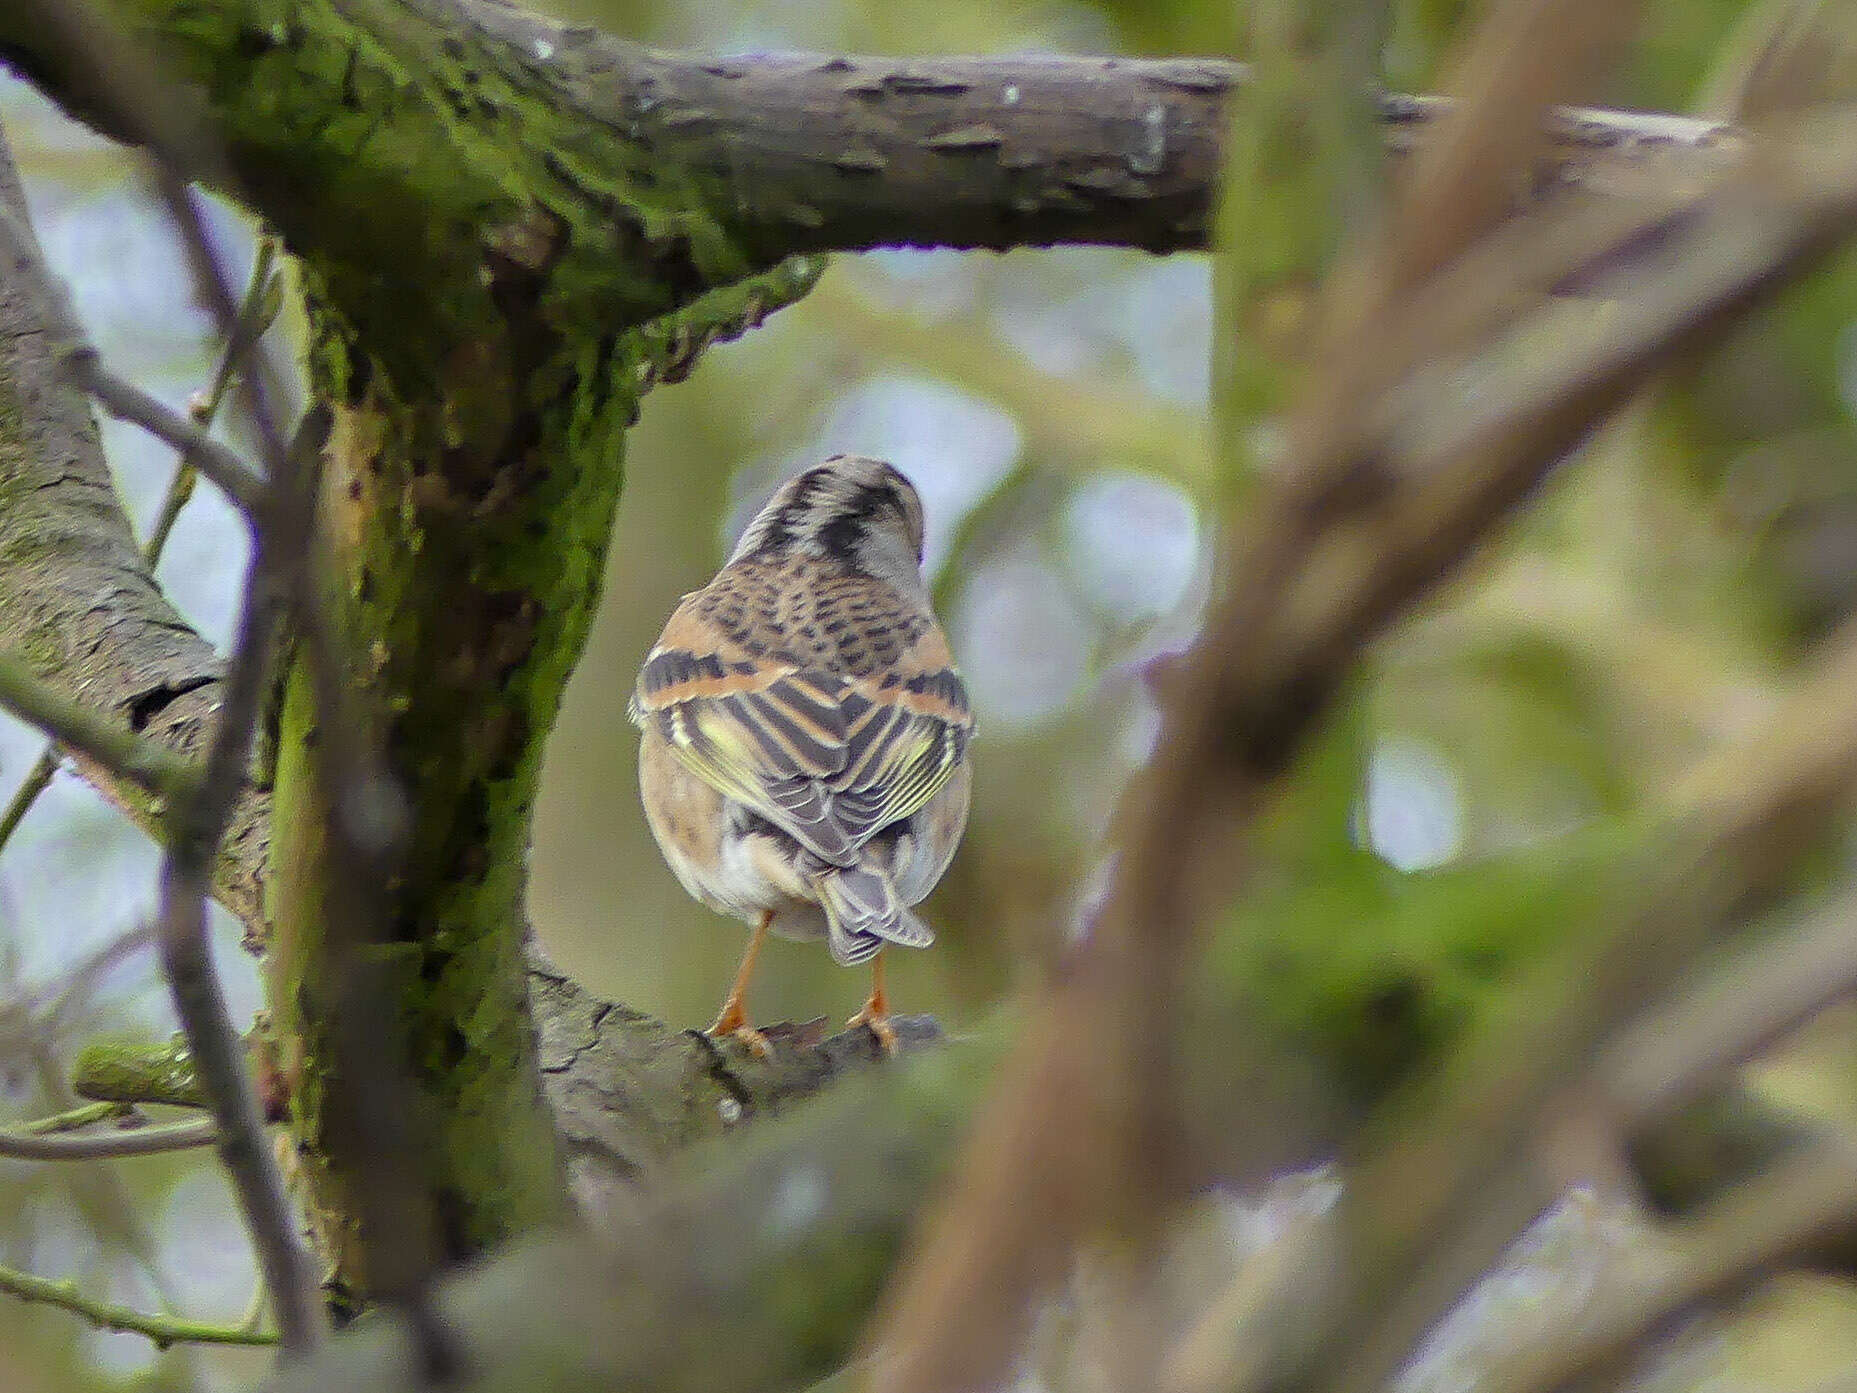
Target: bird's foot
point(877, 1019)
point(732, 1024)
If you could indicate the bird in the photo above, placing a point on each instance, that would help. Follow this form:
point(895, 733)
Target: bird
point(804, 732)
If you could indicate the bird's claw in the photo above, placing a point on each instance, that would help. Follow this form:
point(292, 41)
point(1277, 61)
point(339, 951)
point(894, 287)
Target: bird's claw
point(878, 1023)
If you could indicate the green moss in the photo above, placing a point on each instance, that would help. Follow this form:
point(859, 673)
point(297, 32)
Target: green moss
point(476, 532)
point(1376, 973)
point(134, 1071)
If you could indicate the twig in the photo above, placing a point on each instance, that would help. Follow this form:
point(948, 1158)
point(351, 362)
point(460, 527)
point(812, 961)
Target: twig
point(1743, 1006)
point(218, 1050)
point(253, 318)
point(73, 1119)
point(23, 1144)
point(109, 742)
point(120, 398)
point(107, 1315)
point(256, 310)
point(37, 780)
point(1738, 1239)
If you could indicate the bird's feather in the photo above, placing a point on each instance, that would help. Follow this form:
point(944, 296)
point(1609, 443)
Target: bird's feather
point(863, 912)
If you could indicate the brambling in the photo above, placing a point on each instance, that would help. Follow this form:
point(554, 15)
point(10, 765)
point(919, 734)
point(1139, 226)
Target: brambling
point(803, 757)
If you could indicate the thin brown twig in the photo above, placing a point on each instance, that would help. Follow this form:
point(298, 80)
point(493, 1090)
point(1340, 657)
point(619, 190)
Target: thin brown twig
point(218, 1049)
point(255, 312)
point(122, 399)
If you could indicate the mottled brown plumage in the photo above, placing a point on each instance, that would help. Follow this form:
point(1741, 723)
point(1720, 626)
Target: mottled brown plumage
point(803, 760)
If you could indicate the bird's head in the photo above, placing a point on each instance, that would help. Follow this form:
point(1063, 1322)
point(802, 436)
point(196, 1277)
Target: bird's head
point(859, 512)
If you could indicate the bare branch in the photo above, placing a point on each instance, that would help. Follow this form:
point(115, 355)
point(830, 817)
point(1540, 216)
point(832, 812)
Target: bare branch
point(111, 744)
point(256, 311)
point(27, 1144)
point(107, 1315)
point(218, 1049)
point(255, 315)
point(120, 398)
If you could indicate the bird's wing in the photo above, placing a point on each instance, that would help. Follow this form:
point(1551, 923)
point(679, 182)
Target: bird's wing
point(904, 737)
point(767, 737)
point(826, 758)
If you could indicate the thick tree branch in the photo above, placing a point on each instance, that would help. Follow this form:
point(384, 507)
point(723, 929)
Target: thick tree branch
point(770, 1248)
point(774, 154)
point(81, 604)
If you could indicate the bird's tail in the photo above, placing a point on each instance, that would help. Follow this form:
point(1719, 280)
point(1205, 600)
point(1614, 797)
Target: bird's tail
point(863, 911)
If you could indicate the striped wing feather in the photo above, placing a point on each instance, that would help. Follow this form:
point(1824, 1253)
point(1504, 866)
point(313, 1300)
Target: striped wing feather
point(828, 759)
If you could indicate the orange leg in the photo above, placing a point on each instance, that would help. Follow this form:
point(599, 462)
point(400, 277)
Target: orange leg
point(876, 1012)
point(732, 1019)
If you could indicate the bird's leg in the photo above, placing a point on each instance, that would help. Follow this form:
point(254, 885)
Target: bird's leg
point(732, 1019)
point(876, 1012)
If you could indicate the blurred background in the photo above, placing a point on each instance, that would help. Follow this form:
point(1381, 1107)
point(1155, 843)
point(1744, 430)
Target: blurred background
point(1052, 408)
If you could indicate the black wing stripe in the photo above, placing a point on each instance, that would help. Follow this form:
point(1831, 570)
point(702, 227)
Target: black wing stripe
point(783, 759)
point(810, 751)
point(862, 752)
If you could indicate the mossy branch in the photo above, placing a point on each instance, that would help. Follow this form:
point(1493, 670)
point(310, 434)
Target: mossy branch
point(448, 122)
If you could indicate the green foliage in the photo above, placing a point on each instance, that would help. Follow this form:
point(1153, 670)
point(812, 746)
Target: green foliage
point(1376, 973)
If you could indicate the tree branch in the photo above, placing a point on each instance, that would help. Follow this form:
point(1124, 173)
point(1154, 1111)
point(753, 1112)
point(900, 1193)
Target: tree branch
point(122, 399)
point(114, 746)
point(775, 154)
point(24, 1144)
point(255, 316)
point(80, 602)
point(107, 1315)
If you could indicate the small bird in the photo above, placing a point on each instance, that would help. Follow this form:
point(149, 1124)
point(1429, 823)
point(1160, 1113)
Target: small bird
point(803, 757)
